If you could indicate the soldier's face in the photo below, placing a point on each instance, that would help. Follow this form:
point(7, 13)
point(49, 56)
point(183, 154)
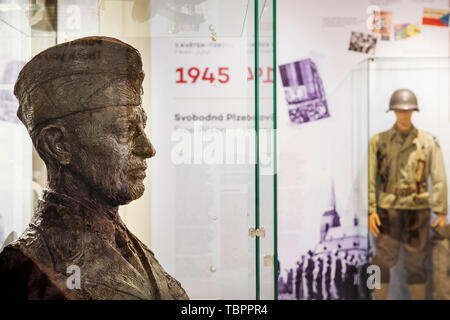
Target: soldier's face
point(109, 152)
point(403, 117)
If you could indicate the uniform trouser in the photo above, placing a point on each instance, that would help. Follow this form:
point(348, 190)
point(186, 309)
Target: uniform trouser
point(409, 228)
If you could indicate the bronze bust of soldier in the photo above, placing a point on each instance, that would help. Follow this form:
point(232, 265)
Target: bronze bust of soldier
point(81, 104)
point(401, 160)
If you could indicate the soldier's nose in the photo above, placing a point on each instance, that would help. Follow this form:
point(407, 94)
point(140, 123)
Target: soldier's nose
point(144, 147)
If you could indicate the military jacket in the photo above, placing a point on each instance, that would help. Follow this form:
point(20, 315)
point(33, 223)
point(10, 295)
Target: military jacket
point(65, 234)
point(403, 168)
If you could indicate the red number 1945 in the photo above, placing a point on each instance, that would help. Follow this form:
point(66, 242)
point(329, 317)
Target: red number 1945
point(193, 74)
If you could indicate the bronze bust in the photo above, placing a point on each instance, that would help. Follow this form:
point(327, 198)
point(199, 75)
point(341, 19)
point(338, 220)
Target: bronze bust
point(81, 104)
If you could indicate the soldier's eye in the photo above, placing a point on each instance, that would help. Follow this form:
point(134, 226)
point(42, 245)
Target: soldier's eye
point(133, 130)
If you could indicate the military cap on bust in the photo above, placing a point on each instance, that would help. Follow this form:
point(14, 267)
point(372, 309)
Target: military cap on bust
point(81, 75)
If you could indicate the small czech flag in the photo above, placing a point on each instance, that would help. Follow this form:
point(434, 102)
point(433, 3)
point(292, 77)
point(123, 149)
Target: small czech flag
point(435, 17)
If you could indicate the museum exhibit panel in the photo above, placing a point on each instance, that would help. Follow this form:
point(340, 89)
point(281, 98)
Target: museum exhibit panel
point(219, 239)
point(338, 66)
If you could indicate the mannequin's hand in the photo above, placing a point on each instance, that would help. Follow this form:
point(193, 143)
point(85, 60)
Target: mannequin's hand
point(441, 221)
point(374, 223)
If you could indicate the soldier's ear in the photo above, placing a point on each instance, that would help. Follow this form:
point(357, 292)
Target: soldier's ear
point(53, 142)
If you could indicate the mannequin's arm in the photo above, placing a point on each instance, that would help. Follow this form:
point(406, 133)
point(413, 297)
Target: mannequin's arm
point(438, 180)
point(374, 220)
point(373, 173)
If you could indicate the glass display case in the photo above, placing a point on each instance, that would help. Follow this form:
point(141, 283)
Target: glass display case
point(428, 78)
point(218, 203)
point(323, 212)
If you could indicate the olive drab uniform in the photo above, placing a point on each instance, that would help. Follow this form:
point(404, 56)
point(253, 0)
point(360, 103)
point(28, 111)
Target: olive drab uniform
point(403, 169)
point(400, 165)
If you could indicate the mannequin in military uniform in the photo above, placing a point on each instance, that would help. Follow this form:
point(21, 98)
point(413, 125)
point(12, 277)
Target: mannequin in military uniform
point(401, 160)
point(81, 104)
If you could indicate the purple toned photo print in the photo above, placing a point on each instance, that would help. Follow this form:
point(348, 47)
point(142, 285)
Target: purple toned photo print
point(304, 91)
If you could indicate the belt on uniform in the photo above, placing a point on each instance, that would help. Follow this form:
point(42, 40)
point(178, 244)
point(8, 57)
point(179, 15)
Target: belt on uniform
point(400, 191)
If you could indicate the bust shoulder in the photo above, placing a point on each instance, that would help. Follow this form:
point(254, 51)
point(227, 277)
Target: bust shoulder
point(21, 277)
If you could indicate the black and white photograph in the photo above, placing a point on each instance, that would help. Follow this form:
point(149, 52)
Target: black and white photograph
point(363, 42)
point(334, 269)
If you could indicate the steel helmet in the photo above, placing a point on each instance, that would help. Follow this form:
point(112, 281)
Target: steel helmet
point(403, 99)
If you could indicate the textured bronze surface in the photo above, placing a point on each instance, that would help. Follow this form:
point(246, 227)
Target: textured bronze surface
point(81, 103)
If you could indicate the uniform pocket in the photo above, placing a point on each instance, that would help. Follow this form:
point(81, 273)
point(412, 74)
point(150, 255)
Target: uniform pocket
point(422, 198)
point(385, 199)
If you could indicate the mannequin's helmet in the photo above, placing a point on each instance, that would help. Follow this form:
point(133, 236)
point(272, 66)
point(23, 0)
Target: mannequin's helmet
point(403, 99)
